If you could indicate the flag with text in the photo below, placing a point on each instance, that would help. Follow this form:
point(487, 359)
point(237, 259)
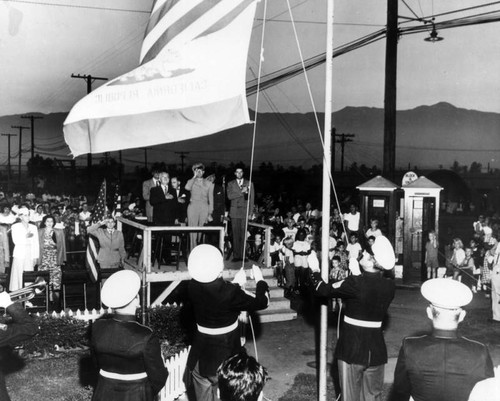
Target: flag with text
point(190, 82)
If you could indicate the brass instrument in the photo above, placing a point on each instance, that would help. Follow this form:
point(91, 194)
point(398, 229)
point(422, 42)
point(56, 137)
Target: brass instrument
point(26, 293)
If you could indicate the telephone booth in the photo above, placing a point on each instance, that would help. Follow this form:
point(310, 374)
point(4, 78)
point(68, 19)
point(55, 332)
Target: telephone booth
point(379, 199)
point(421, 214)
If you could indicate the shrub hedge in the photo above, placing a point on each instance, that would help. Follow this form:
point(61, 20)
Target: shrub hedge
point(68, 333)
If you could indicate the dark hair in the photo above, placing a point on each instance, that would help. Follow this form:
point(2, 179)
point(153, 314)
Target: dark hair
point(44, 220)
point(241, 378)
point(337, 258)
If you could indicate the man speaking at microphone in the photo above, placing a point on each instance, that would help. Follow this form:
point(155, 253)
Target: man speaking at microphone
point(22, 327)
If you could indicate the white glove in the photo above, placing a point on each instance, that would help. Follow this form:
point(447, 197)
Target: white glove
point(240, 278)
point(257, 273)
point(5, 300)
point(354, 267)
point(313, 262)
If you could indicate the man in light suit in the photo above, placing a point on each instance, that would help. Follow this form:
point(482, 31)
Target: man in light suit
point(154, 181)
point(240, 192)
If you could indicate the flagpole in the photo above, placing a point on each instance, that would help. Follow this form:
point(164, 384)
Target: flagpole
point(325, 226)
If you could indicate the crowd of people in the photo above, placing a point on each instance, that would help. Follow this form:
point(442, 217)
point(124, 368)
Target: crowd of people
point(44, 230)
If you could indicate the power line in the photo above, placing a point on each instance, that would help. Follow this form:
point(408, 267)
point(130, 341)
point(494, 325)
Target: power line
point(78, 6)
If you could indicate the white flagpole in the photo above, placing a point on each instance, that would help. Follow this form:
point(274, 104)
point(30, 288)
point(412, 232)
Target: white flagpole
point(325, 227)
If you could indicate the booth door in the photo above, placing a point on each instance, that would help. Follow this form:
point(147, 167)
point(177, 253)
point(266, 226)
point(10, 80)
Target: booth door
point(416, 245)
point(423, 220)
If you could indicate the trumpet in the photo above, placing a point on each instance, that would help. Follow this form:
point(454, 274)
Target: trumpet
point(26, 293)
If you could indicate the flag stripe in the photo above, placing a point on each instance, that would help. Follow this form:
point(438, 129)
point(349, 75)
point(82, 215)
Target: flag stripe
point(91, 260)
point(158, 14)
point(194, 23)
point(157, 32)
point(230, 17)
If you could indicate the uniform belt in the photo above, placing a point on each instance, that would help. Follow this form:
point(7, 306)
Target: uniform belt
point(218, 330)
point(362, 323)
point(122, 376)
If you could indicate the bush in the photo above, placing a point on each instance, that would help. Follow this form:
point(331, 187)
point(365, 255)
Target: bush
point(71, 333)
point(55, 332)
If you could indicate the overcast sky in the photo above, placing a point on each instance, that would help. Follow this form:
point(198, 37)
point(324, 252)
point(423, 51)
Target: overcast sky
point(42, 44)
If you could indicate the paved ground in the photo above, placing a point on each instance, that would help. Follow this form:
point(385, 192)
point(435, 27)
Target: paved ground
point(289, 348)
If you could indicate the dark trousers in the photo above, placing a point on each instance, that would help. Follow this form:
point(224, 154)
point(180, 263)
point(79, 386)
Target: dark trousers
point(238, 228)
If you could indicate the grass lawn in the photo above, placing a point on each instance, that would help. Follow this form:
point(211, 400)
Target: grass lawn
point(63, 378)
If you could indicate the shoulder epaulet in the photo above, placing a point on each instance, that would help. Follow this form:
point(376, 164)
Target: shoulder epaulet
point(142, 325)
point(474, 341)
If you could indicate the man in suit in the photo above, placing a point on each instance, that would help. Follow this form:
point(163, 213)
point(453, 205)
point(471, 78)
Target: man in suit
point(240, 193)
point(441, 366)
point(154, 181)
point(164, 206)
point(163, 202)
point(181, 200)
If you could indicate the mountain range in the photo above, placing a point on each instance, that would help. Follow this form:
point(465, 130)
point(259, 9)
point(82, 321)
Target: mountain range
point(427, 137)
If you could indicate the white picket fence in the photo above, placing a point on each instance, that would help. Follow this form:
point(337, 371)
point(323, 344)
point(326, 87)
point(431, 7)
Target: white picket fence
point(174, 387)
point(86, 314)
point(176, 364)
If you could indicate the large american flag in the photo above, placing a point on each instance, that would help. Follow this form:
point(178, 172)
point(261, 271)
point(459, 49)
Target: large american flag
point(190, 81)
point(98, 214)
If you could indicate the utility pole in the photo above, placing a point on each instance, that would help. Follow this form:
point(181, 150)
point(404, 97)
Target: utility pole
point(333, 133)
point(343, 139)
point(8, 160)
point(32, 118)
point(146, 157)
point(182, 156)
point(89, 79)
point(391, 63)
point(20, 148)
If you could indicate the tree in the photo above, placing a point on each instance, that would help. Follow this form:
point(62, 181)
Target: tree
point(475, 167)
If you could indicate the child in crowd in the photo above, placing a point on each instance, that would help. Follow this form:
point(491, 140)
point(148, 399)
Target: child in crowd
point(290, 230)
point(337, 273)
point(467, 270)
point(354, 249)
point(431, 255)
point(301, 249)
point(373, 231)
point(343, 256)
point(287, 259)
point(274, 252)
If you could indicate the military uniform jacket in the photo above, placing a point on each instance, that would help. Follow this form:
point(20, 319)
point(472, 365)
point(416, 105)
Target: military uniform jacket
point(112, 245)
point(217, 305)
point(367, 298)
point(440, 367)
point(121, 345)
point(21, 328)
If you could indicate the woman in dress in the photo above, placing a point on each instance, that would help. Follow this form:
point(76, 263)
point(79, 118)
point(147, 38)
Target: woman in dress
point(26, 248)
point(52, 243)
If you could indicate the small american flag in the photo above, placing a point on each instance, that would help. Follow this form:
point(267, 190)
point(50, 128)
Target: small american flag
point(93, 244)
point(117, 202)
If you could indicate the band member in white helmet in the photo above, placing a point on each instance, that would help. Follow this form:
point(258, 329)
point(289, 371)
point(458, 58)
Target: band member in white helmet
point(217, 304)
point(126, 352)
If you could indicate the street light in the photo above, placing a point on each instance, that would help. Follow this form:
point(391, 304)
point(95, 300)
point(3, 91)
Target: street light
point(433, 36)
